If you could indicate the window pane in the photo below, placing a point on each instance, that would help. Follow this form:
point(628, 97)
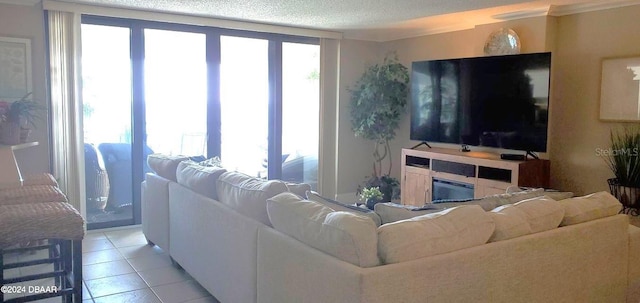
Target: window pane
point(300, 112)
point(106, 84)
point(244, 94)
point(175, 76)
point(106, 89)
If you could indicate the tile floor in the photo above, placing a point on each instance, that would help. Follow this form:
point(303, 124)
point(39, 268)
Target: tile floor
point(119, 266)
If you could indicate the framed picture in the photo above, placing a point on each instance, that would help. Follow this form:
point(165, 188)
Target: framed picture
point(620, 89)
point(15, 68)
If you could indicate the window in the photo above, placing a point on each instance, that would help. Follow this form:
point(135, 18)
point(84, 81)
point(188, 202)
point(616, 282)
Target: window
point(175, 92)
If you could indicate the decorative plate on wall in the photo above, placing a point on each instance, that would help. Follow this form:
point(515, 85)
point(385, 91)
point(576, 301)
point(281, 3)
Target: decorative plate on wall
point(504, 41)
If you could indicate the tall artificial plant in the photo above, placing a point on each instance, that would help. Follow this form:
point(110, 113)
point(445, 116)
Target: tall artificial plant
point(378, 101)
point(623, 159)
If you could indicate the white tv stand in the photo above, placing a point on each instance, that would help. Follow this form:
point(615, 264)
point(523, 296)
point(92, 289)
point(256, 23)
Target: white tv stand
point(486, 172)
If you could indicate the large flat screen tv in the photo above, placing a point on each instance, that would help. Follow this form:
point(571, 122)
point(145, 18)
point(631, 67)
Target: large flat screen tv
point(497, 101)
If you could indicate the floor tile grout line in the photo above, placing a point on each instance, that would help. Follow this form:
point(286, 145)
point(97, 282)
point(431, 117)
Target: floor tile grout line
point(88, 291)
point(116, 275)
point(118, 293)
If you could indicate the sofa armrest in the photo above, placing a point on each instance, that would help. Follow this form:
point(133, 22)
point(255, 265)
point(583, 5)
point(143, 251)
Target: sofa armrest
point(633, 294)
point(155, 210)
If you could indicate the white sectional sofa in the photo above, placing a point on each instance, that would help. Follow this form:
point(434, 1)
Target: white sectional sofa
point(218, 227)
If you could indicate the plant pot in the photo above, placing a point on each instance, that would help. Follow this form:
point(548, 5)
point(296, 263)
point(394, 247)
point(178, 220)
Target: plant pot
point(24, 134)
point(628, 196)
point(10, 133)
point(372, 202)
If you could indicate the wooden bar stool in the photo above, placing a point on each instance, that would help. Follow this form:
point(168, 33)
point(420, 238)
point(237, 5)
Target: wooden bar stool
point(63, 228)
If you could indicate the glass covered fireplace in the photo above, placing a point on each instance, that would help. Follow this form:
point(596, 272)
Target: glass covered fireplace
point(451, 190)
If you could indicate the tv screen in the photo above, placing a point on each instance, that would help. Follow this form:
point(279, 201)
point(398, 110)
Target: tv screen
point(498, 101)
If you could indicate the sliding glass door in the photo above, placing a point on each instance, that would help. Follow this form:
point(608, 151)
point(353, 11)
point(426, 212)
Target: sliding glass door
point(107, 125)
point(251, 99)
point(244, 104)
point(300, 112)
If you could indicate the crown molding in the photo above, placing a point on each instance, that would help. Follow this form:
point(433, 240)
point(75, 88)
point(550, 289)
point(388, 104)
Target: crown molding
point(564, 10)
point(406, 34)
point(20, 2)
point(536, 12)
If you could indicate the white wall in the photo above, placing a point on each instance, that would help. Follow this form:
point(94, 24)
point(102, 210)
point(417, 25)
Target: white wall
point(355, 155)
point(20, 21)
point(355, 160)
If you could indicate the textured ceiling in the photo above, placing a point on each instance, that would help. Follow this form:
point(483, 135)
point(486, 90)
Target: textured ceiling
point(377, 20)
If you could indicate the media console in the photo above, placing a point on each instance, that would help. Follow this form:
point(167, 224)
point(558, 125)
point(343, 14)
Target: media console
point(483, 173)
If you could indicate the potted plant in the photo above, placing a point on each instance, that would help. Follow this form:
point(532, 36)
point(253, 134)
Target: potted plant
point(624, 161)
point(371, 195)
point(17, 118)
point(378, 101)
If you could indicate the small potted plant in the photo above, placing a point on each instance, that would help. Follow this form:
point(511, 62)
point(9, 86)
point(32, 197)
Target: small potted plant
point(17, 118)
point(371, 195)
point(624, 161)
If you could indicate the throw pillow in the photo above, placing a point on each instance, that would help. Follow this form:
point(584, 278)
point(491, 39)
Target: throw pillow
point(339, 206)
point(346, 236)
point(487, 203)
point(551, 193)
point(590, 207)
point(299, 189)
point(248, 195)
point(511, 198)
point(542, 213)
point(164, 165)
point(432, 234)
point(392, 212)
point(201, 179)
point(511, 222)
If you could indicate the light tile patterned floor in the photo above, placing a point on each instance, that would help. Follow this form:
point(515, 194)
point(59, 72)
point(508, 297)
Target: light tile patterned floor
point(119, 266)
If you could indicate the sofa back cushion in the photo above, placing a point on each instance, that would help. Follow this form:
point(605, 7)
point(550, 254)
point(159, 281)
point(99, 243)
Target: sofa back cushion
point(164, 165)
point(339, 206)
point(511, 222)
point(590, 207)
point(248, 195)
point(391, 212)
point(432, 234)
point(344, 235)
point(542, 213)
point(201, 179)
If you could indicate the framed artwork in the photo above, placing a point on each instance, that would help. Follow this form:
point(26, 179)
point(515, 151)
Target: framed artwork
point(15, 68)
point(620, 89)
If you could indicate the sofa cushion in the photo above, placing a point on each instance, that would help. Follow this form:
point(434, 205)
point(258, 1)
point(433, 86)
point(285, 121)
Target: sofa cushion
point(511, 222)
point(590, 207)
point(165, 165)
point(344, 235)
point(432, 234)
point(542, 213)
point(248, 195)
point(32, 194)
point(392, 212)
point(201, 179)
point(339, 206)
